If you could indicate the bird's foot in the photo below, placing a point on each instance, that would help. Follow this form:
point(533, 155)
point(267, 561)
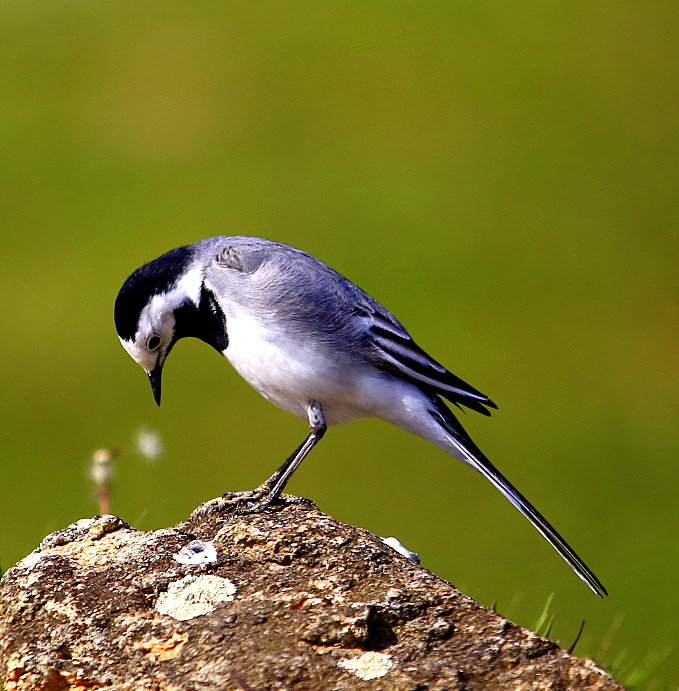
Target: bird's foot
point(231, 503)
point(254, 501)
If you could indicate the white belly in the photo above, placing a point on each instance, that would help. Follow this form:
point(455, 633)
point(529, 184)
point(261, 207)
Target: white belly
point(288, 372)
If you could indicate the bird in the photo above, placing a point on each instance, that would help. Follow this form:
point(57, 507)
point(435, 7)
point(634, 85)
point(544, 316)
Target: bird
point(311, 342)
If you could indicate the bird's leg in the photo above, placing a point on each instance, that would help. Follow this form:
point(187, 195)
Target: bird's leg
point(272, 488)
point(318, 427)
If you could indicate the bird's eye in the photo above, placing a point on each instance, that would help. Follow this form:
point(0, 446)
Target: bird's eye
point(153, 342)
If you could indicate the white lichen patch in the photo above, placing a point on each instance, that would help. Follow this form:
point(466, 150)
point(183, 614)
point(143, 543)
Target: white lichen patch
point(193, 596)
point(368, 666)
point(197, 552)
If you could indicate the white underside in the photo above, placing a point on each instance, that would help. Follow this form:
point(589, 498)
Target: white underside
point(291, 375)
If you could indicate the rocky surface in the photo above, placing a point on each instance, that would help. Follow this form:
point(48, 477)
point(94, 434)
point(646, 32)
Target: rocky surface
point(289, 599)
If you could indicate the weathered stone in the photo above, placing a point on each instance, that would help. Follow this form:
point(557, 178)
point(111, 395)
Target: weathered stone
point(289, 599)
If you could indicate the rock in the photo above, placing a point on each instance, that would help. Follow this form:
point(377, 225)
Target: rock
point(286, 600)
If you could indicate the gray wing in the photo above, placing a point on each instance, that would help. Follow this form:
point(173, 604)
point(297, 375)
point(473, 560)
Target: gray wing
point(395, 350)
point(308, 293)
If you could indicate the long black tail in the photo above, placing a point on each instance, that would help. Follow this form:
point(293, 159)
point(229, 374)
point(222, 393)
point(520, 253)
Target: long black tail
point(475, 458)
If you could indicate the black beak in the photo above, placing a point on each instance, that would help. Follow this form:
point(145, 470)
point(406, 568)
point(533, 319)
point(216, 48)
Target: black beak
point(154, 378)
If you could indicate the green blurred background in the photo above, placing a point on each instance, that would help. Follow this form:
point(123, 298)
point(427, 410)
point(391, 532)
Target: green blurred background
point(502, 176)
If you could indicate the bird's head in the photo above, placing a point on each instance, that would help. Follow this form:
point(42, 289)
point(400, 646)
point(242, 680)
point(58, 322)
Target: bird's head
point(161, 302)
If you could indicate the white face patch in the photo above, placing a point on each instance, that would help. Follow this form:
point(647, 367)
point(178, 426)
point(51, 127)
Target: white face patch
point(141, 354)
point(158, 318)
point(190, 284)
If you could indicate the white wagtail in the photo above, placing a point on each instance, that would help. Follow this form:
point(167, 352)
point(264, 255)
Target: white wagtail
point(311, 342)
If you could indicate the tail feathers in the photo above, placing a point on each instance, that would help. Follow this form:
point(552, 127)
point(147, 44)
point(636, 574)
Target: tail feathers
point(473, 456)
